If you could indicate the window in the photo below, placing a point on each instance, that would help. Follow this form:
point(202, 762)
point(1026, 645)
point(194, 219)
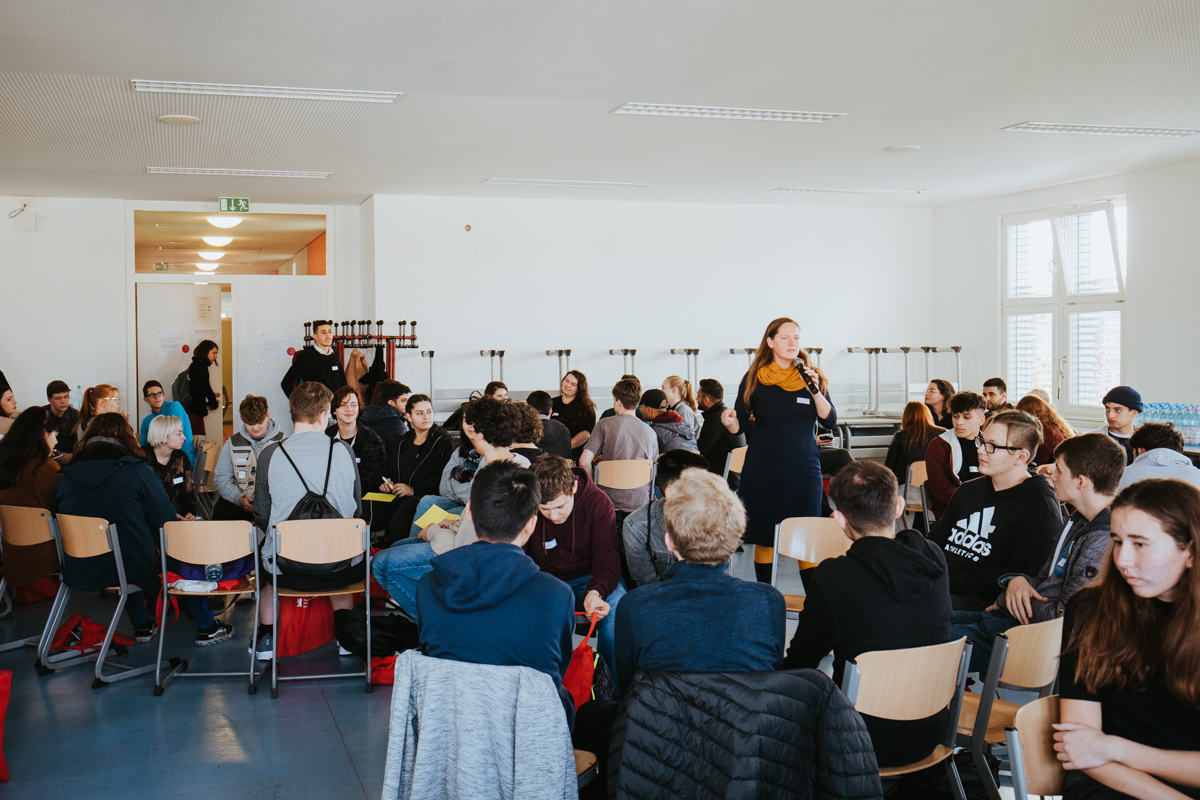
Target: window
point(1064, 281)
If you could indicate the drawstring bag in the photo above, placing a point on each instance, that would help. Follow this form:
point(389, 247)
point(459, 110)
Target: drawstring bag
point(305, 623)
point(80, 633)
point(383, 670)
point(581, 670)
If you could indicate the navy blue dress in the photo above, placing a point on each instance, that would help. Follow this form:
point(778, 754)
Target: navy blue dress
point(782, 474)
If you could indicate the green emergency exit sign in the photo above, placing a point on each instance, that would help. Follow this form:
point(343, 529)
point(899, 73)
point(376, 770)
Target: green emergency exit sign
point(239, 205)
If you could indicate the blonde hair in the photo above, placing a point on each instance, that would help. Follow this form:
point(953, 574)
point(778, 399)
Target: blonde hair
point(705, 519)
point(91, 399)
point(684, 387)
point(162, 427)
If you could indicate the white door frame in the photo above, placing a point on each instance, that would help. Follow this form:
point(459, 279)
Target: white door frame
point(132, 277)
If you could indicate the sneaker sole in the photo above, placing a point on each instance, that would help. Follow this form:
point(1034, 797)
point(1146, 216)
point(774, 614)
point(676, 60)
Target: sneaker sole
point(144, 639)
point(215, 640)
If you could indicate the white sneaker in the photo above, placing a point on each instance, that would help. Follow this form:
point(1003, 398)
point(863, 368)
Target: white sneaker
point(343, 651)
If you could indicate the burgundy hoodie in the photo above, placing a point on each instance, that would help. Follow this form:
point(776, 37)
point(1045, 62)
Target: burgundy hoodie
point(586, 543)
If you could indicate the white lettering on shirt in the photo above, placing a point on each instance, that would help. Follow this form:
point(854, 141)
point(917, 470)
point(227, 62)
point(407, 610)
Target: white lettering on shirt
point(969, 537)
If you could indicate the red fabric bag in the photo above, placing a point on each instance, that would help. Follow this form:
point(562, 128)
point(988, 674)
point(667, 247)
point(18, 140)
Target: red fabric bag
point(581, 670)
point(80, 633)
point(305, 623)
point(5, 689)
point(383, 670)
point(44, 589)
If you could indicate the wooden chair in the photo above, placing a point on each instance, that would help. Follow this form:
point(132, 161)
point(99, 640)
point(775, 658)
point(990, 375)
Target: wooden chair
point(631, 474)
point(1024, 657)
point(585, 767)
point(918, 476)
point(735, 461)
point(809, 540)
point(1036, 769)
point(206, 543)
point(86, 537)
point(909, 684)
point(321, 541)
point(22, 527)
point(203, 478)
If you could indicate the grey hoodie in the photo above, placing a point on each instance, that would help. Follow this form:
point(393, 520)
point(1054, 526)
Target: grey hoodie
point(224, 478)
point(645, 548)
point(1161, 463)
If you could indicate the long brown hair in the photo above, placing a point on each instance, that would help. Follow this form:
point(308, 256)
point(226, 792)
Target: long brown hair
point(110, 425)
point(764, 355)
point(91, 398)
point(946, 390)
point(582, 405)
point(1037, 407)
point(917, 424)
point(1121, 644)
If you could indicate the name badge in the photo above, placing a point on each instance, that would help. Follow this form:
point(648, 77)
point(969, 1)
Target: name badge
point(358, 461)
point(973, 469)
point(178, 480)
point(334, 368)
point(241, 461)
point(804, 400)
point(553, 543)
point(241, 475)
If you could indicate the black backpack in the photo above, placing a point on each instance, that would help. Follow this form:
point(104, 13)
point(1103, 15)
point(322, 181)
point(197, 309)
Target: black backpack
point(311, 506)
point(181, 389)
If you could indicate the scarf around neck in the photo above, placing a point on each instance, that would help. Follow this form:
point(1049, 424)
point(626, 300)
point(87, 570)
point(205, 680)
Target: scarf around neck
point(790, 380)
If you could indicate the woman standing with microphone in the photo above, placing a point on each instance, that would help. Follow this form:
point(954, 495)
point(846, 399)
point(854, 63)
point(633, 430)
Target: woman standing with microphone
point(779, 403)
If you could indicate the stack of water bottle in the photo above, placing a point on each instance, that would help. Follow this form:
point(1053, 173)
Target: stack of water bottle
point(1186, 419)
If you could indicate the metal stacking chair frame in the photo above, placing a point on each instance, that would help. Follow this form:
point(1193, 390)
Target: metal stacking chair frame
point(915, 474)
point(1035, 766)
point(12, 527)
point(810, 540)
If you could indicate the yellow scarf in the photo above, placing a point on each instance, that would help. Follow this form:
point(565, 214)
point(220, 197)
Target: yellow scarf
point(790, 379)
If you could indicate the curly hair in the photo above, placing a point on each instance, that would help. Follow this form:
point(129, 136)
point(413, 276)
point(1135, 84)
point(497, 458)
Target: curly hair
point(529, 423)
point(492, 419)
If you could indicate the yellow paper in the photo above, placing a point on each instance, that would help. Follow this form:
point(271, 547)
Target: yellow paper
point(433, 516)
point(379, 497)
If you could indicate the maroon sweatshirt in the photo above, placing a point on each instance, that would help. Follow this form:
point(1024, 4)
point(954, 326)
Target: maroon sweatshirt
point(586, 543)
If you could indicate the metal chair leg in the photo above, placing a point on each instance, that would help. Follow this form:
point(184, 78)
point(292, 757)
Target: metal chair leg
point(956, 787)
point(42, 665)
point(275, 638)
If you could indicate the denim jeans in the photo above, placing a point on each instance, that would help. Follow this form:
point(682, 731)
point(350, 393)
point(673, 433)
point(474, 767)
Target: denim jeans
point(981, 629)
point(400, 568)
point(428, 502)
point(606, 637)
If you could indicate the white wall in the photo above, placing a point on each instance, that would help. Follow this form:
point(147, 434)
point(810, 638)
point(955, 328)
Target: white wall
point(62, 297)
point(347, 266)
point(1162, 326)
point(532, 275)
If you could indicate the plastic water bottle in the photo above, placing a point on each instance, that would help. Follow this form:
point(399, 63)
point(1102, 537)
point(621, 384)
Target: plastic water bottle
point(1191, 431)
point(77, 396)
point(213, 572)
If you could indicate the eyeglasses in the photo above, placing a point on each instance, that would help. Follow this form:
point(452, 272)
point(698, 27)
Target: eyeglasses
point(154, 395)
point(991, 449)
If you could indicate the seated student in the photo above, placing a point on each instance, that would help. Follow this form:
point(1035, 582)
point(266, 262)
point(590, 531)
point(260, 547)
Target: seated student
point(575, 540)
point(672, 432)
point(385, 415)
point(529, 431)
point(414, 465)
point(682, 399)
point(890, 591)
point(938, 395)
point(1055, 429)
point(951, 458)
point(152, 393)
point(369, 454)
point(1122, 404)
point(238, 462)
point(909, 445)
point(58, 396)
point(1003, 523)
point(317, 362)
point(699, 618)
point(1128, 683)
point(574, 408)
point(164, 451)
point(1158, 453)
point(644, 530)
point(27, 477)
point(488, 603)
point(495, 390)
point(995, 396)
point(608, 412)
point(622, 438)
point(556, 438)
point(1086, 472)
point(716, 442)
point(308, 460)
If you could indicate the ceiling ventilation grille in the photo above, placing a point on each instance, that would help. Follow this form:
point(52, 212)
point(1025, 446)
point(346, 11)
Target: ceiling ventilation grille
point(583, 184)
point(285, 92)
point(845, 191)
point(246, 173)
point(767, 114)
point(1099, 130)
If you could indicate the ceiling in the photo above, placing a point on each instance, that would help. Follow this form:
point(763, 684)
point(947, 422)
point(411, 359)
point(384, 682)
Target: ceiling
point(261, 242)
point(502, 90)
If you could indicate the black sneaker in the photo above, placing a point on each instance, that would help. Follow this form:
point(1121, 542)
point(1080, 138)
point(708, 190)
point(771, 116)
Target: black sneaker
point(144, 633)
point(219, 632)
point(262, 648)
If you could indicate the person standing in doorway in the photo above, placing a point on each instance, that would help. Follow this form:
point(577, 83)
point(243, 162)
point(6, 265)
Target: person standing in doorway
point(317, 362)
point(779, 412)
point(203, 399)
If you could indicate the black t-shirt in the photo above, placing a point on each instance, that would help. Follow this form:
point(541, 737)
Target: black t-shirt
point(1149, 716)
point(970, 460)
point(576, 417)
point(67, 435)
point(407, 461)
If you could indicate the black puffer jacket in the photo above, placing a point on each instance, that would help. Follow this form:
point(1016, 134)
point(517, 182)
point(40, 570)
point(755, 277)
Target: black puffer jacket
point(740, 735)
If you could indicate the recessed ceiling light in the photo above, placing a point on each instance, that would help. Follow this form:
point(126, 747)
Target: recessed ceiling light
point(225, 222)
point(902, 148)
point(770, 115)
point(178, 119)
point(846, 191)
point(585, 184)
point(245, 173)
point(211, 255)
point(216, 241)
point(285, 92)
point(207, 267)
point(1099, 130)
point(200, 283)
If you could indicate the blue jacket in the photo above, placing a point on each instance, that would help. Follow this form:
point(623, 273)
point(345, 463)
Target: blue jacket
point(173, 409)
point(488, 603)
point(699, 619)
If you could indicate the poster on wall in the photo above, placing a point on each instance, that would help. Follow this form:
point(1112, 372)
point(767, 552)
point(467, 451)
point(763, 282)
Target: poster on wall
point(169, 342)
point(273, 345)
point(200, 334)
point(204, 308)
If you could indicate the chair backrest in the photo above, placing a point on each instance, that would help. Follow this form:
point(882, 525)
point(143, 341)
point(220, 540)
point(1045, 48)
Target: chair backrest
point(908, 684)
point(632, 474)
point(736, 460)
point(1034, 749)
point(25, 526)
point(918, 475)
point(208, 542)
point(212, 451)
point(1032, 660)
point(812, 539)
point(322, 541)
point(83, 537)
